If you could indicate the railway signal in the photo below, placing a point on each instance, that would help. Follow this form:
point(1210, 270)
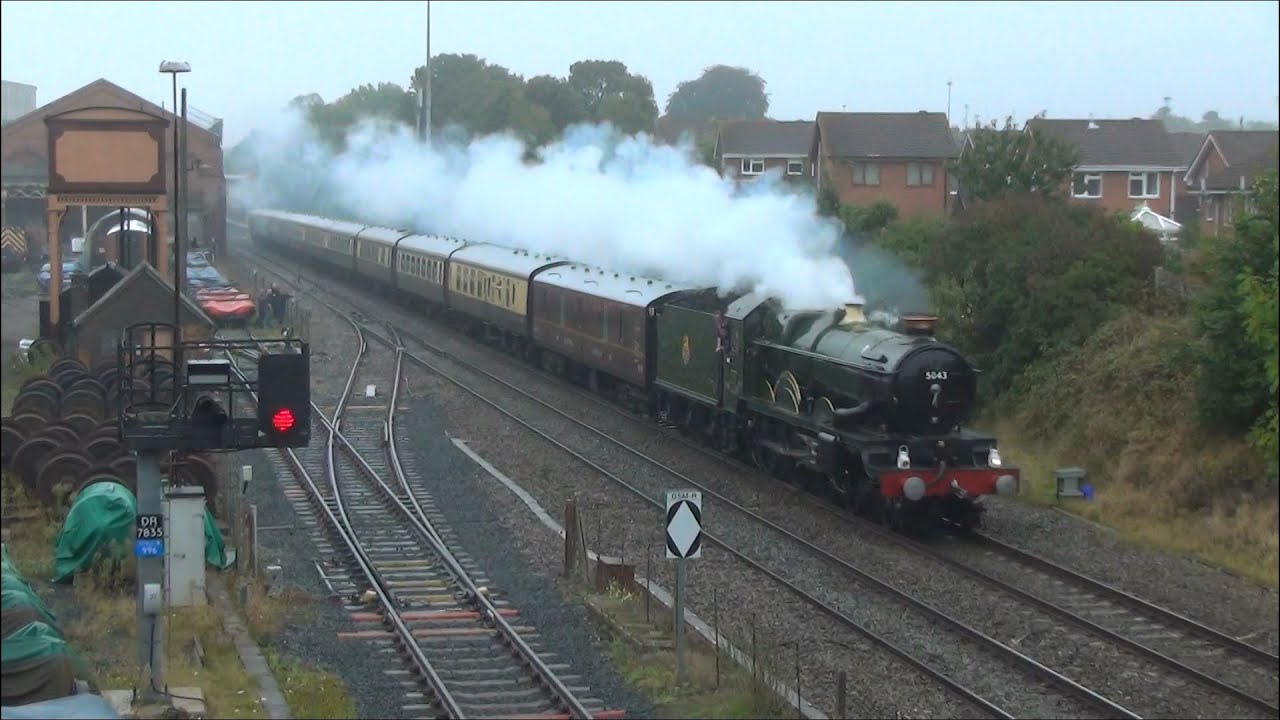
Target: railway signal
point(284, 399)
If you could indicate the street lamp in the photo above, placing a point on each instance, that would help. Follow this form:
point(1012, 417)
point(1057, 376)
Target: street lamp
point(174, 67)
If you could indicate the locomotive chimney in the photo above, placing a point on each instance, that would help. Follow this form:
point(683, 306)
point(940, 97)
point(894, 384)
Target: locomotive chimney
point(919, 324)
point(853, 314)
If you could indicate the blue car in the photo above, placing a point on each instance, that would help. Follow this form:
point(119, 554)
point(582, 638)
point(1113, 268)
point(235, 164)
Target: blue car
point(204, 277)
point(43, 277)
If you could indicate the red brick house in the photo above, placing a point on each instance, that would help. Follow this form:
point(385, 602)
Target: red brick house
point(1123, 164)
point(1187, 145)
point(1222, 173)
point(747, 149)
point(900, 158)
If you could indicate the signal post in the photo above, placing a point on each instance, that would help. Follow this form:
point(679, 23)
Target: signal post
point(684, 541)
point(183, 397)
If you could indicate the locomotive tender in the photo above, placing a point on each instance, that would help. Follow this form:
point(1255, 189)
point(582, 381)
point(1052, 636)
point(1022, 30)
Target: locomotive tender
point(869, 415)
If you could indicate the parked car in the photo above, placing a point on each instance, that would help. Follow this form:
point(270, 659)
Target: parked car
point(43, 277)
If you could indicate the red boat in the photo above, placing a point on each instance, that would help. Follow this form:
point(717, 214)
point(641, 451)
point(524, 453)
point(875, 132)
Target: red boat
point(226, 305)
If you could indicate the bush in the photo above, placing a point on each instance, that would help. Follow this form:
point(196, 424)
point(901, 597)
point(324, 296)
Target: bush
point(1022, 277)
point(1233, 390)
point(1262, 307)
point(859, 220)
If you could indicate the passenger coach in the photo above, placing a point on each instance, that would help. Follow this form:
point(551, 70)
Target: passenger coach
point(420, 266)
point(375, 250)
point(491, 284)
point(598, 320)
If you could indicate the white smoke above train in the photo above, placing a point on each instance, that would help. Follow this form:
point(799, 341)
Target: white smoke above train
point(624, 203)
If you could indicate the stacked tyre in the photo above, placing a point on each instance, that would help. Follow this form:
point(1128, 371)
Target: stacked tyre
point(62, 434)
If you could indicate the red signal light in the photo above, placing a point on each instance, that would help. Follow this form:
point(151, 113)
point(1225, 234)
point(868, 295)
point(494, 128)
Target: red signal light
point(282, 420)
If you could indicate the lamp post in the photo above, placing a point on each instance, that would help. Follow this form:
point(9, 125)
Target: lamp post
point(174, 67)
point(426, 92)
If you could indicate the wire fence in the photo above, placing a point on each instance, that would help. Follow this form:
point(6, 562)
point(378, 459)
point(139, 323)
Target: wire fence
point(747, 651)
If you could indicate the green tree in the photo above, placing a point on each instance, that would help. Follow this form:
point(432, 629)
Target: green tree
point(1262, 307)
point(869, 219)
point(1233, 391)
point(479, 97)
point(610, 93)
point(333, 121)
point(1006, 160)
point(562, 103)
point(1022, 276)
point(1208, 121)
point(721, 92)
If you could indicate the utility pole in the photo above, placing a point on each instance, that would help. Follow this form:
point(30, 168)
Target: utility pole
point(948, 103)
point(426, 94)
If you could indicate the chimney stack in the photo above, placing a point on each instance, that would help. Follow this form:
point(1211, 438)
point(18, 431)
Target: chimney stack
point(922, 324)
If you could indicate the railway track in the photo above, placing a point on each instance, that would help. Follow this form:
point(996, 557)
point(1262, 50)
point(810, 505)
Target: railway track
point(1044, 691)
point(459, 643)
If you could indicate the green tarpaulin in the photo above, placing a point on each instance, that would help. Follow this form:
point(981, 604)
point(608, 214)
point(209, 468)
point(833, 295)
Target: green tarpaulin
point(15, 593)
point(215, 553)
point(38, 665)
point(105, 513)
point(33, 641)
point(101, 517)
point(18, 600)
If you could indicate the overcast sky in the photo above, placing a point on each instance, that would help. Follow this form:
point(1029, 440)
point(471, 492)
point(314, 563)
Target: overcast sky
point(1071, 59)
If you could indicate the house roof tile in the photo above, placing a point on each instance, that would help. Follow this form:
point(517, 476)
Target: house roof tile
point(1247, 153)
point(765, 138)
point(1187, 144)
point(1115, 143)
point(891, 135)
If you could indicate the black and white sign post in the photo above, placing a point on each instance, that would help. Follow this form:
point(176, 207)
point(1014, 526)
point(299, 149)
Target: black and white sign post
point(684, 541)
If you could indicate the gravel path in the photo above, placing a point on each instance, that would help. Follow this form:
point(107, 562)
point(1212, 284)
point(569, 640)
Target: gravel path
point(552, 481)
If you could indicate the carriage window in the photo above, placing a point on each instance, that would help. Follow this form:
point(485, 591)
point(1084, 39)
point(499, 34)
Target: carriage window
point(622, 331)
point(604, 317)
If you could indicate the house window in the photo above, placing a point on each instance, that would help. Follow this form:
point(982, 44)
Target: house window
point(795, 167)
point(1144, 185)
point(866, 174)
point(919, 174)
point(1087, 185)
point(752, 166)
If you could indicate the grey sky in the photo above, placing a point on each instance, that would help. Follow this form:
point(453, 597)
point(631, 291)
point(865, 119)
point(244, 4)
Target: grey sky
point(1071, 59)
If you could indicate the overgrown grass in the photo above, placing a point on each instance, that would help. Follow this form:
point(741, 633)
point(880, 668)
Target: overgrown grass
point(734, 695)
point(98, 616)
point(18, 371)
point(310, 693)
point(1122, 406)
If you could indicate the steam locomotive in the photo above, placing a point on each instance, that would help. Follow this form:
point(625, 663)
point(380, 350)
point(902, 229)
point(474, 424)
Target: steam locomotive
point(869, 414)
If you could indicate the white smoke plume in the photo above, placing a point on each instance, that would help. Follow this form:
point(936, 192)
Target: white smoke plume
point(623, 203)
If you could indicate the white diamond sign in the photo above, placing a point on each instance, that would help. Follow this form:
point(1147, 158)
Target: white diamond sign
point(684, 524)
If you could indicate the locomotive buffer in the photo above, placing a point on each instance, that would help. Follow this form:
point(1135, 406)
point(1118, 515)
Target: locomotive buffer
point(684, 541)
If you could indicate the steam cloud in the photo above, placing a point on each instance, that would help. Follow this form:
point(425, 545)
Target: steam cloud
point(622, 203)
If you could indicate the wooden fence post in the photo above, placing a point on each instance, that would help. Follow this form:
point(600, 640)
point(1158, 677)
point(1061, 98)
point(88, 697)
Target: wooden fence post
point(570, 538)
